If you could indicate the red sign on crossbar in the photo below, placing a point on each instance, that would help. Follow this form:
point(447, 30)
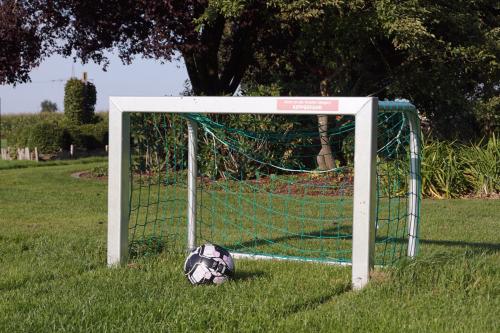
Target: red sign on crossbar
point(307, 105)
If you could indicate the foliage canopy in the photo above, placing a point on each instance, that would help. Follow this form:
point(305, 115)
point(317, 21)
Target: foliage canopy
point(442, 55)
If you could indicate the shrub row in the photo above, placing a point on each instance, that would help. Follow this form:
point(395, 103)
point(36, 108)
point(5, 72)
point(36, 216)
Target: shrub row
point(50, 132)
point(451, 170)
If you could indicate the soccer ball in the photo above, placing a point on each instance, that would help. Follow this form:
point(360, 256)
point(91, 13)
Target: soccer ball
point(209, 263)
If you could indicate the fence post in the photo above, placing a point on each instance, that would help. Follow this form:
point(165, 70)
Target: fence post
point(36, 154)
point(72, 151)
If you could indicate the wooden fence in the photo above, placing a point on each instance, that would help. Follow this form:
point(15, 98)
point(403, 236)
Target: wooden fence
point(25, 154)
point(21, 154)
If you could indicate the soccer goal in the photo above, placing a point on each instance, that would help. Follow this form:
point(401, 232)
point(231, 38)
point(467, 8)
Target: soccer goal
point(266, 178)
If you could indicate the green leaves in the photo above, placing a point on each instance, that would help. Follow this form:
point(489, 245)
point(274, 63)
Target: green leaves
point(79, 101)
point(451, 170)
point(482, 166)
point(48, 106)
point(404, 23)
point(442, 55)
point(229, 9)
point(50, 131)
point(442, 171)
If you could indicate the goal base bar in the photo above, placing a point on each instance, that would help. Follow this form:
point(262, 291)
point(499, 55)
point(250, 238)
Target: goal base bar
point(251, 256)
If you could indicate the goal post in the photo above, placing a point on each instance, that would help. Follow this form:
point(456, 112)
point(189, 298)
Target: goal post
point(365, 201)
point(118, 184)
point(415, 181)
point(363, 225)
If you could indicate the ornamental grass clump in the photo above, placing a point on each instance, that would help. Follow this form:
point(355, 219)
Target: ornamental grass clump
point(481, 164)
point(442, 170)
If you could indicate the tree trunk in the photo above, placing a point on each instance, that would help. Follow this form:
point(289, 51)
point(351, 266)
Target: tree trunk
point(213, 75)
point(325, 157)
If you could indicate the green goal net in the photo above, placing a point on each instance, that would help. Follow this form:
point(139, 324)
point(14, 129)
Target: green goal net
point(260, 190)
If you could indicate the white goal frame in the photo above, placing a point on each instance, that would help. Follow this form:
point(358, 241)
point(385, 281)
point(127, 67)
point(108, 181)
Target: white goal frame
point(365, 110)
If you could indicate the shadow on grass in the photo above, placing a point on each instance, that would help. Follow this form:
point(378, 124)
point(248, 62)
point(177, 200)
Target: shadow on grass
point(473, 246)
point(315, 302)
point(480, 246)
point(343, 232)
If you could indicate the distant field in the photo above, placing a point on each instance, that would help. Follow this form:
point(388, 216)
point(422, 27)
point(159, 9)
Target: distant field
point(53, 274)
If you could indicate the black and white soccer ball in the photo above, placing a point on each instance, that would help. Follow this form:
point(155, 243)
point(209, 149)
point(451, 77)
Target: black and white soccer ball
point(209, 263)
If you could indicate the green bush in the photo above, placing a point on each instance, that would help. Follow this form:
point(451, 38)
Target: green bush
point(451, 170)
point(482, 166)
point(99, 131)
point(79, 101)
point(20, 130)
point(46, 136)
point(26, 131)
point(93, 136)
point(99, 171)
point(148, 143)
point(14, 122)
point(487, 113)
point(71, 135)
point(443, 170)
point(88, 136)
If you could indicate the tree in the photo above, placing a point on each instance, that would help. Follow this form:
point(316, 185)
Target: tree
point(20, 43)
point(338, 53)
point(79, 101)
point(216, 39)
point(443, 56)
point(48, 107)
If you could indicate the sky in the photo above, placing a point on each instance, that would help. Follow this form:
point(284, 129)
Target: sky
point(141, 78)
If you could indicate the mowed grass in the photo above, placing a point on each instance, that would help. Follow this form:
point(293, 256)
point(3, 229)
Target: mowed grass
point(53, 276)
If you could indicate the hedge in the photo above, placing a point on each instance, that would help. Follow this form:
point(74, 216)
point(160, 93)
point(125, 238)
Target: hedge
point(79, 101)
point(51, 132)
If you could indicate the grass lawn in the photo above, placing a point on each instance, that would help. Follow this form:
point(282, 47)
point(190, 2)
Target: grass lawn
point(53, 276)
